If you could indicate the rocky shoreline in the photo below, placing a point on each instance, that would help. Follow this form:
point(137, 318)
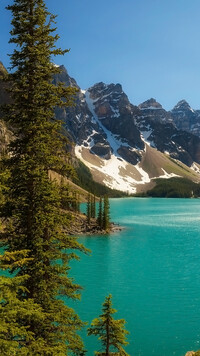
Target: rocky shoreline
point(79, 226)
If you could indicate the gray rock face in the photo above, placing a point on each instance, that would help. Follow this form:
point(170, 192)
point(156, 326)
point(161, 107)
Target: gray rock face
point(103, 113)
point(104, 121)
point(132, 157)
point(150, 104)
point(164, 136)
point(77, 118)
point(116, 113)
point(102, 150)
point(185, 118)
point(154, 110)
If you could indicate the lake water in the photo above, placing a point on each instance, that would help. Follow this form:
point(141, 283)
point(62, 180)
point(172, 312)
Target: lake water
point(152, 269)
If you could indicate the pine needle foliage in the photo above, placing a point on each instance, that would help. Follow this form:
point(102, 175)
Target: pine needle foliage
point(93, 206)
point(88, 209)
point(13, 334)
point(35, 220)
point(100, 216)
point(106, 214)
point(111, 332)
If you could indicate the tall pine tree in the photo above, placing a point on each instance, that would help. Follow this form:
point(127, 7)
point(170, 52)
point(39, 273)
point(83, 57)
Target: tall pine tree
point(35, 222)
point(93, 206)
point(106, 214)
point(88, 209)
point(111, 332)
point(100, 214)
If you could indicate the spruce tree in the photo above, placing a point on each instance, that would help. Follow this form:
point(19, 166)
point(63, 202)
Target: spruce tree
point(88, 208)
point(111, 332)
point(78, 203)
point(100, 217)
point(106, 214)
point(35, 220)
point(93, 206)
point(14, 336)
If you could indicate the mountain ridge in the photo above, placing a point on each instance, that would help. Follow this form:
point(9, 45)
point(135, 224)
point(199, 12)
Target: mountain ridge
point(115, 135)
point(127, 147)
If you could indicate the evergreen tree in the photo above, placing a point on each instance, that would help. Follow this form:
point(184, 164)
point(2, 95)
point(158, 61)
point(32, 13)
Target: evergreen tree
point(65, 196)
point(93, 207)
point(13, 334)
point(74, 201)
point(78, 203)
point(88, 208)
point(35, 220)
point(111, 332)
point(106, 214)
point(100, 217)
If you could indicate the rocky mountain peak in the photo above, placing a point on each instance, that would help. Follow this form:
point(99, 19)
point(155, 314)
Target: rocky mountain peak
point(123, 145)
point(185, 118)
point(64, 77)
point(103, 91)
point(182, 105)
point(150, 104)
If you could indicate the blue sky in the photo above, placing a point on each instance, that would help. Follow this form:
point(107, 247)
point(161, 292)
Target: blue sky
point(151, 47)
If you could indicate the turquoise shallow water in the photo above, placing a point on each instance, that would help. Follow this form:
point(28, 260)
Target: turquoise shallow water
point(152, 269)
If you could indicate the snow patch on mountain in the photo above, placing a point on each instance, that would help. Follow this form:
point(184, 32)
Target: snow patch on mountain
point(114, 143)
point(114, 171)
point(151, 108)
point(168, 175)
point(115, 112)
point(115, 168)
point(145, 135)
point(195, 168)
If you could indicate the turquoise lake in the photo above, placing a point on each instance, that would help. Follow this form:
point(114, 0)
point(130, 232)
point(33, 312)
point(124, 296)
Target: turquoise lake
point(152, 269)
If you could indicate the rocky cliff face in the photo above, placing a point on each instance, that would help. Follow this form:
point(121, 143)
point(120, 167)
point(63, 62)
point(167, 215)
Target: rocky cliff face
point(159, 131)
point(103, 114)
point(125, 146)
point(185, 118)
point(115, 112)
point(114, 137)
point(151, 109)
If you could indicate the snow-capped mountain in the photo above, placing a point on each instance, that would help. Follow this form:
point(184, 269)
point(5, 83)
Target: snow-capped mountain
point(126, 146)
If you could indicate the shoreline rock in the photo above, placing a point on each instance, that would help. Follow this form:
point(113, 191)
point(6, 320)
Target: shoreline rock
point(79, 226)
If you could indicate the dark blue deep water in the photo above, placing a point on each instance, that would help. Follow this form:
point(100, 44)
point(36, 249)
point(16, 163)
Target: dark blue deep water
point(152, 269)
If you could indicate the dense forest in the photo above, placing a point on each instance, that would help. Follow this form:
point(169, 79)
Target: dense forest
point(173, 188)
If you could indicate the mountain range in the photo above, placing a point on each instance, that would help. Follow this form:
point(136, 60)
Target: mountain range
point(126, 146)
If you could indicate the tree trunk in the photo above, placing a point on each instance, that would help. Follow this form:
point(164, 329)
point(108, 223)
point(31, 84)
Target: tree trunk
point(107, 338)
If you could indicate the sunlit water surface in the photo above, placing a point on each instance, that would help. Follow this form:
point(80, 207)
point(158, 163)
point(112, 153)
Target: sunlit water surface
point(152, 269)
